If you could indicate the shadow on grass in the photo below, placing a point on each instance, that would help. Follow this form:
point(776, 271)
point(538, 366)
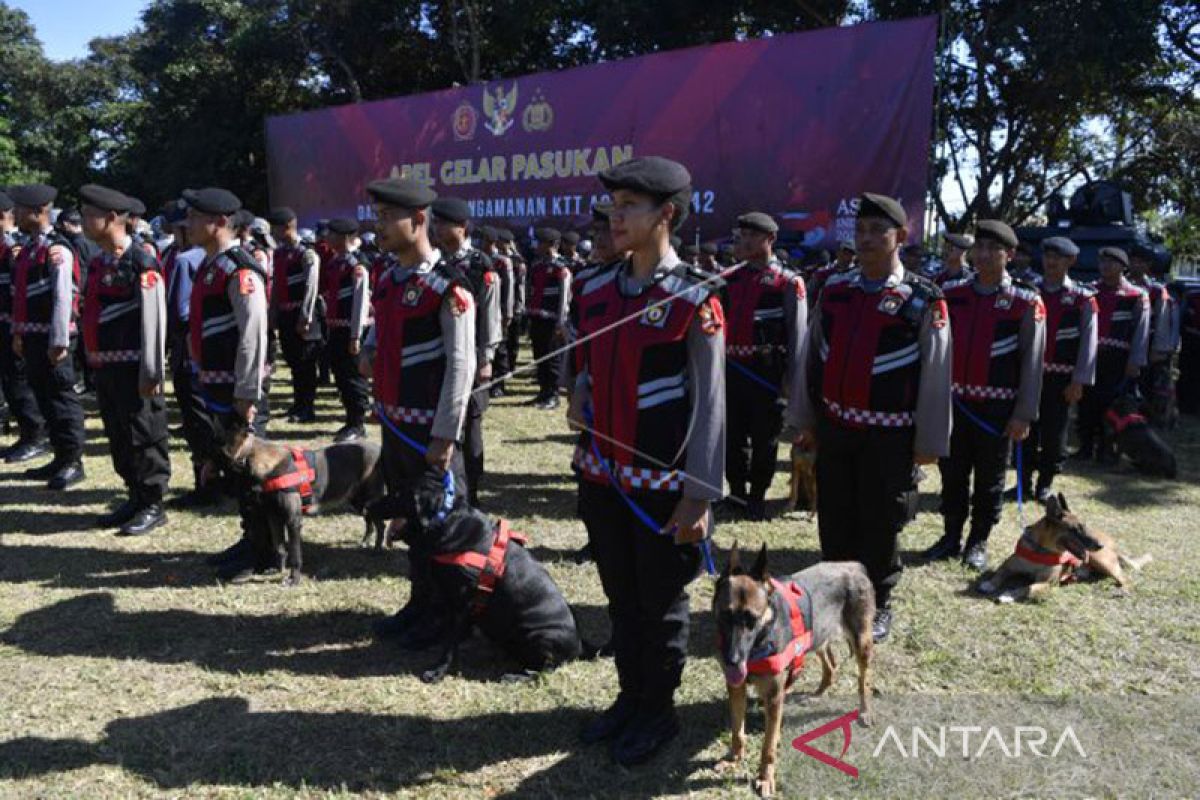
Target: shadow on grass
point(221, 742)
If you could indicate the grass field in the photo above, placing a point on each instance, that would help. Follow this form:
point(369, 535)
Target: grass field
point(126, 670)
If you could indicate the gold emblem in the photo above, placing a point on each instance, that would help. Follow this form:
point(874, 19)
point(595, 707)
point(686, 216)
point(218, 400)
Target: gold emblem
point(538, 115)
point(500, 109)
point(463, 121)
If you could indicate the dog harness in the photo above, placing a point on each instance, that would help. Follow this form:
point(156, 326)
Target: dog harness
point(791, 656)
point(491, 566)
point(300, 478)
point(1120, 423)
point(1031, 551)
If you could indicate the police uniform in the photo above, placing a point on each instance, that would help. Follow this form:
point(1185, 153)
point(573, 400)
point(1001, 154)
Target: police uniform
point(766, 315)
point(45, 294)
point(484, 282)
point(655, 387)
point(251, 235)
point(549, 298)
point(999, 344)
point(963, 241)
point(507, 302)
point(512, 341)
point(1164, 341)
point(874, 385)
point(707, 260)
point(295, 291)
point(821, 276)
point(22, 405)
point(570, 253)
point(124, 336)
point(1187, 331)
point(347, 309)
point(1123, 336)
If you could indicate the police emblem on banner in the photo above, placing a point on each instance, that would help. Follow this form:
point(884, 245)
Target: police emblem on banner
point(891, 303)
point(656, 316)
point(538, 115)
point(412, 295)
point(463, 122)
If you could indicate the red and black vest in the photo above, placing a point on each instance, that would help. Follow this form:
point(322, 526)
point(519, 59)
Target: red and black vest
point(112, 306)
point(1064, 315)
point(33, 285)
point(754, 302)
point(867, 370)
point(1187, 294)
point(820, 277)
point(548, 279)
point(410, 355)
point(1159, 297)
point(7, 255)
point(986, 334)
point(289, 278)
point(339, 288)
point(788, 600)
point(1117, 313)
point(638, 371)
point(212, 326)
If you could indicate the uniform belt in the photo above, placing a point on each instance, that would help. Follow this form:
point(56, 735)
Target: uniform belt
point(415, 416)
point(113, 357)
point(866, 416)
point(973, 392)
point(629, 476)
point(1108, 341)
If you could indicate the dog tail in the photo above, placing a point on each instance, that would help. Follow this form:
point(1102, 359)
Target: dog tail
point(1134, 564)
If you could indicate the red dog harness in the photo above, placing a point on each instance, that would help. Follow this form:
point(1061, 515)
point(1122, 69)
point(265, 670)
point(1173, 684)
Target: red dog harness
point(791, 656)
point(300, 478)
point(1120, 423)
point(1028, 550)
point(491, 566)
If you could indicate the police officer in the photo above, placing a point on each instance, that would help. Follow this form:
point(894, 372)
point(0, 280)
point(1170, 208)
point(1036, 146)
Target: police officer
point(1156, 377)
point(1070, 365)
point(491, 241)
point(125, 332)
point(690, 254)
point(512, 332)
point(295, 292)
point(22, 405)
point(1123, 336)
point(227, 340)
point(707, 260)
point(422, 355)
point(570, 251)
point(347, 303)
point(451, 217)
point(135, 226)
point(873, 396)
point(1021, 269)
point(253, 235)
point(637, 385)
point(549, 298)
point(45, 287)
point(955, 247)
point(999, 342)
point(843, 262)
point(766, 315)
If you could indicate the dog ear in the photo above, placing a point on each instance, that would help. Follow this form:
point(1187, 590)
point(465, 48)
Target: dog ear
point(759, 570)
point(1062, 501)
point(1054, 508)
point(732, 565)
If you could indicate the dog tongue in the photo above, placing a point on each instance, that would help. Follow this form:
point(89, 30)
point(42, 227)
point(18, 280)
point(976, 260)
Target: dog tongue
point(735, 674)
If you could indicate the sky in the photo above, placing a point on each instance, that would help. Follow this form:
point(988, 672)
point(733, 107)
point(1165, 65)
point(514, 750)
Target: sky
point(66, 26)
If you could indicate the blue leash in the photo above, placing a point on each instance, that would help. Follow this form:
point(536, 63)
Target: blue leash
point(709, 566)
point(754, 376)
point(986, 428)
point(447, 476)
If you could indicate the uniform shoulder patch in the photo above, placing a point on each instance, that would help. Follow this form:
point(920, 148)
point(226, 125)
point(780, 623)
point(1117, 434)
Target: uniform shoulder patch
point(149, 279)
point(360, 271)
point(490, 277)
point(1039, 308)
point(712, 317)
point(938, 313)
point(246, 282)
point(460, 301)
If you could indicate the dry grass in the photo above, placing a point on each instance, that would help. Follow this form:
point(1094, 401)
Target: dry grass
point(125, 670)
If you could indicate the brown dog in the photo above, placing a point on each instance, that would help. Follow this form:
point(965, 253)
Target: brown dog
point(1057, 549)
point(803, 494)
point(764, 628)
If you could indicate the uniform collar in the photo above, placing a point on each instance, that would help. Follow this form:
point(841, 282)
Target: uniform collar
point(1066, 286)
point(426, 266)
point(892, 280)
point(1005, 285)
point(664, 267)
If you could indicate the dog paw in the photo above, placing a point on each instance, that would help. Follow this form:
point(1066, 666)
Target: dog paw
point(1005, 599)
point(986, 587)
point(765, 786)
point(864, 719)
point(728, 764)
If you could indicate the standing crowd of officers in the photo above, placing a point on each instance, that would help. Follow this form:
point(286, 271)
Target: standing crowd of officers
point(681, 375)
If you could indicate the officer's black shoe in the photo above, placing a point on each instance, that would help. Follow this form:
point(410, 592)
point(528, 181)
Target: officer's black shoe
point(975, 556)
point(147, 519)
point(69, 475)
point(881, 626)
point(549, 403)
point(236, 551)
point(1010, 494)
point(350, 433)
point(26, 450)
point(1043, 494)
point(47, 470)
point(536, 401)
point(949, 546)
point(304, 416)
point(756, 510)
point(119, 515)
point(644, 736)
point(611, 722)
point(201, 497)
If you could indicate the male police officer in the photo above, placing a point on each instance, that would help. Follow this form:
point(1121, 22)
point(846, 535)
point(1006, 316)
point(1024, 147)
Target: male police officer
point(873, 396)
point(347, 304)
point(998, 329)
point(549, 299)
point(766, 316)
point(45, 287)
point(954, 257)
point(22, 405)
point(125, 334)
point(295, 292)
point(1156, 378)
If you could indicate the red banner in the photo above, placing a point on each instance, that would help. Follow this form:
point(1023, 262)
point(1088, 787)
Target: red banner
point(794, 125)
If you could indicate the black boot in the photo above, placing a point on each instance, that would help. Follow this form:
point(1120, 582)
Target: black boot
point(147, 519)
point(119, 515)
point(68, 475)
point(350, 432)
point(949, 546)
point(611, 722)
point(27, 449)
point(645, 735)
point(881, 626)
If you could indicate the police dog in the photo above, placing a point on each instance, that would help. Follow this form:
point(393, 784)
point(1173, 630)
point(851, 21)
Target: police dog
point(350, 473)
point(522, 609)
point(1057, 549)
point(1137, 439)
point(757, 641)
point(803, 484)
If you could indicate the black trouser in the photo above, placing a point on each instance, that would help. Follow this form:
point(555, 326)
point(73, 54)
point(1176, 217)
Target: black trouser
point(500, 365)
point(984, 453)
point(352, 387)
point(54, 388)
point(752, 428)
point(301, 356)
point(473, 443)
point(1046, 448)
point(512, 343)
point(262, 407)
point(22, 403)
point(136, 428)
point(1187, 389)
point(1110, 381)
point(541, 334)
point(192, 411)
point(645, 577)
point(864, 488)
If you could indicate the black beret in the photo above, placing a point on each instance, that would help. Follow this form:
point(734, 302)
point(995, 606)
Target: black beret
point(137, 207)
point(176, 212)
point(571, 237)
point(71, 216)
point(488, 234)
point(652, 175)
point(758, 221)
point(403, 192)
point(451, 209)
point(1061, 245)
point(343, 225)
point(505, 235)
point(32, 195)
point(676, 242)
point(6, 203)
point(962, 241)
point(708, 249)
point(212, 200)
point(997, 231)
point(878, 205)
point(281, 215)
point(1115, 253)
point(243, 218)
point(600, 212)
point(549, 235)
point(104, 198)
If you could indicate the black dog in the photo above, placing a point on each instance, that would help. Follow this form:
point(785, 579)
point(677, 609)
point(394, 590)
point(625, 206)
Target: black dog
point(1137, 439)
point(483, 576)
